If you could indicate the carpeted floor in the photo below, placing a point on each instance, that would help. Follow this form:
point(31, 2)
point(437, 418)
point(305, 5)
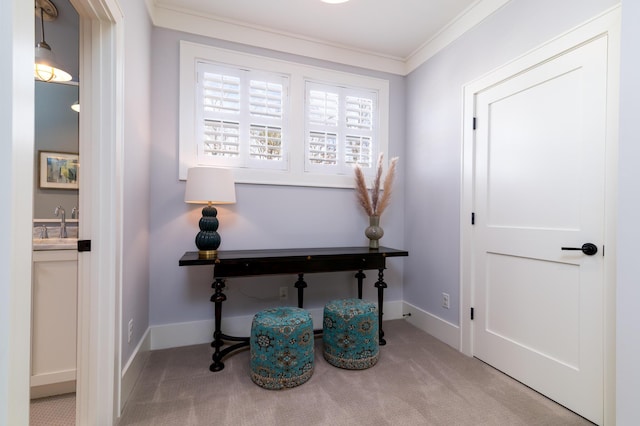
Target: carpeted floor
point(59, 410)
point(418, 381)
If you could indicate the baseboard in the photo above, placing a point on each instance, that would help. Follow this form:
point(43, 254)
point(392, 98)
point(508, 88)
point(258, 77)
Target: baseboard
point(133, 368)
point(60, 388)
point(197, 332)
point(435, 326)
point(52, 377)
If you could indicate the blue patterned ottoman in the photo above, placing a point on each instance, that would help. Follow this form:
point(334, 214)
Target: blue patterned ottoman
point(281, 347)
point(350, 334)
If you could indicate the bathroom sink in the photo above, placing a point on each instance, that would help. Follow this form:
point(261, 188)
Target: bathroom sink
point(55, 243)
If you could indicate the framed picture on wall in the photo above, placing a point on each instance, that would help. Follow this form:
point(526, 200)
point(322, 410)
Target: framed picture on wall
point(58, 170)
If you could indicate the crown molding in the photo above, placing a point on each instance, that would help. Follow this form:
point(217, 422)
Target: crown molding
point(464, 22)
point(189, 21)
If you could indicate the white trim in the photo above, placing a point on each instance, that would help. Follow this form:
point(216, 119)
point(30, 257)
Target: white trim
point(392, 310)
point(182, 19)
point(53, 377)
point(437, 327)
point(198, 332)
point(16, 173)
point(56, 388)
point(606, 24)
point(611, 215)
point(99, 271)
point(134, 366)
point(464, 22)
point(214, 27)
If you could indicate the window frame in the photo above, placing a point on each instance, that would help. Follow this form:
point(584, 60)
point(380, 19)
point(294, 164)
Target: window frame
point(295, 151)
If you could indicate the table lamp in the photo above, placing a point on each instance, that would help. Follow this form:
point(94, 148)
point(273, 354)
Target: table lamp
point(209, 185)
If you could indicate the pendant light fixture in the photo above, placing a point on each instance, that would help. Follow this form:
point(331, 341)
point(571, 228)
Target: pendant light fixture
point(46, 68)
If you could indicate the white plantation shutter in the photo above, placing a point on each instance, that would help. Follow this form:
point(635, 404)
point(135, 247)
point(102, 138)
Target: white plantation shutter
point(323, 108)
point(359, 113)
point(360, 131)
point(266, 110)
point(322, 135)
point(221, 93)
point(340, 129)
point(241, 117)
point(221, 138)
point(266, 143)
point(358, 150)
point(265, 99)
point(323, 148)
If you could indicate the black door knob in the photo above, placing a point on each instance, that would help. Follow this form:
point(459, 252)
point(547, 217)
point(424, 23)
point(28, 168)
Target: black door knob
point(587, 248)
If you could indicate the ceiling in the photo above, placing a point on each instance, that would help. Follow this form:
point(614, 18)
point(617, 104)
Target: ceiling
point(390, 28)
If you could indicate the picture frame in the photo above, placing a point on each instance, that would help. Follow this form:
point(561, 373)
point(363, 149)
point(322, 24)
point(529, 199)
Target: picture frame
point(58, 170)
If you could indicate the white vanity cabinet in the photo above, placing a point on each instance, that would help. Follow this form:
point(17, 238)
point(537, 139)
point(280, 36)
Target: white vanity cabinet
point(54, 322)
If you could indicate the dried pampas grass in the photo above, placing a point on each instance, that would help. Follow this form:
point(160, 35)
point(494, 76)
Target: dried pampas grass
point(375, 204)
point(362, 192)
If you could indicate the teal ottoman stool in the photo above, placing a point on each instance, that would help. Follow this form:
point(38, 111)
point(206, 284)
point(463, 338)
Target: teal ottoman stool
point(350, 334)
point(281, 347)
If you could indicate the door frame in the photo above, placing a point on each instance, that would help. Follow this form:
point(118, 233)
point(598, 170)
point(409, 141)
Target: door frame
point(101, 63)
point(606, 25)
point(16, 221)
point(99, 278)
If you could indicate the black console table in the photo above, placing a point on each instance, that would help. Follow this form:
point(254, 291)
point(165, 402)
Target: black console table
point(244, 263)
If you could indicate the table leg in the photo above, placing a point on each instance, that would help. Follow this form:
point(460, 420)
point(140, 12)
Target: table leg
point(381, 285)
point(360, 276)
point(217, 298)
point(300, 285)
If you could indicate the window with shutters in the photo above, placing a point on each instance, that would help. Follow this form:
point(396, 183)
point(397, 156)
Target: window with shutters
point(242, 116)
point(278, 122)
point(341, 128)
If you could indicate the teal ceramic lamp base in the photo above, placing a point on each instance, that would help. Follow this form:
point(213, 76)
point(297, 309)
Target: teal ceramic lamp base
point(208, 240)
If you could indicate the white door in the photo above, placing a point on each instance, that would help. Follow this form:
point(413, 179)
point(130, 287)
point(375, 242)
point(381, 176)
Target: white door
point(540, 186)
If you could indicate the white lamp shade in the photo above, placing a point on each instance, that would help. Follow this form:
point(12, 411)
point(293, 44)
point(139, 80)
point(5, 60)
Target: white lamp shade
point(210, 185)
point(46, 68)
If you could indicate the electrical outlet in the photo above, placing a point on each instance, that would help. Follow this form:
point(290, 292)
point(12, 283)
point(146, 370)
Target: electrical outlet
point(445, 300)
point(130, 330)
point(284, 293)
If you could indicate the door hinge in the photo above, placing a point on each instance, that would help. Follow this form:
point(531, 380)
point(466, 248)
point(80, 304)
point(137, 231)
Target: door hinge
point(84, 245)
point(474, 123)
point(473, 218)
point(472, 314)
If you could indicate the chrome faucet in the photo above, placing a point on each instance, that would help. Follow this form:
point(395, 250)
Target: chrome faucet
point(63, 221)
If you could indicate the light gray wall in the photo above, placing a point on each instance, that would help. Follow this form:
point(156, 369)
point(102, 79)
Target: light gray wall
point(263, 217)
point(56, 129)
point(434, 137)
point(136, 169)
point(628, 290)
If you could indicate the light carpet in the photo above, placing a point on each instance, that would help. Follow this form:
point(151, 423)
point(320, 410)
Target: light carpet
point(417, 381)
point(59, 410)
